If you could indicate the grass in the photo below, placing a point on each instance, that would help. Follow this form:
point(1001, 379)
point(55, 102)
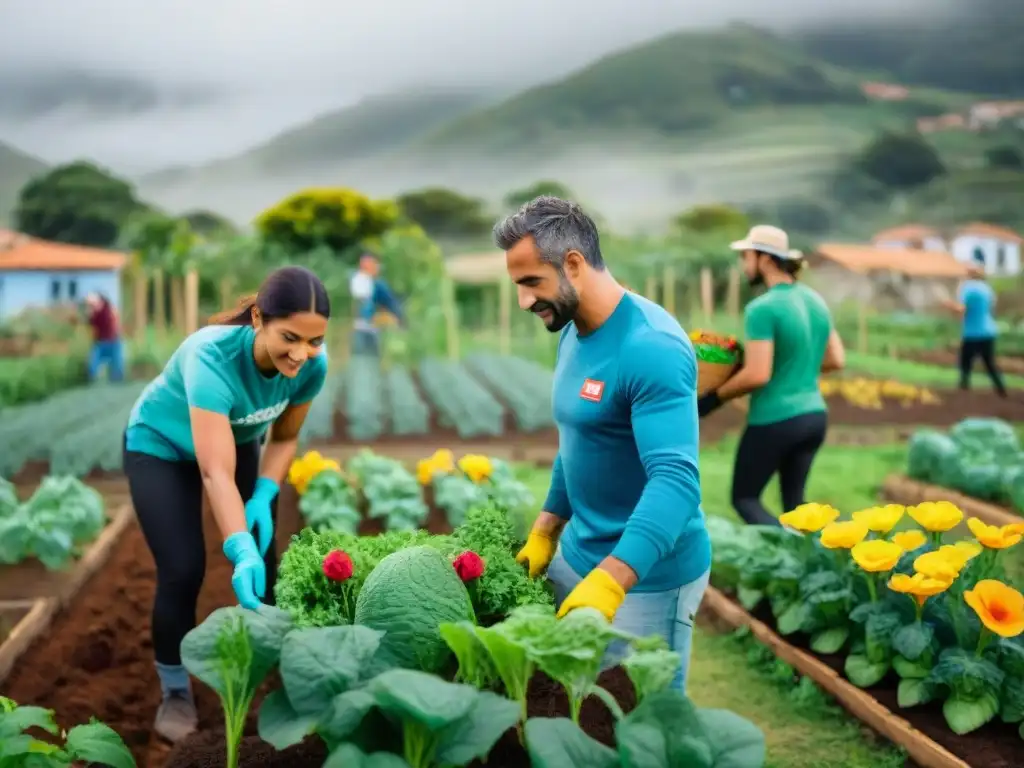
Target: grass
point(911, 372)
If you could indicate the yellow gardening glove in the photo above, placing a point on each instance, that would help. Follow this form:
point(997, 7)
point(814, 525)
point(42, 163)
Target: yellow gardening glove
point(537, 553)
point(598, 590)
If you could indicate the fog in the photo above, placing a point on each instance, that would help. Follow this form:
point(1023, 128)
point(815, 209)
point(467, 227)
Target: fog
point(224, 76)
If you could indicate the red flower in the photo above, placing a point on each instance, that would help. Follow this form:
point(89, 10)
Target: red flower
point(338, 566)
point(469, 566)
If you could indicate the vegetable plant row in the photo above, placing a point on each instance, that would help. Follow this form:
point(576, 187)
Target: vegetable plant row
point(408, 650)
point(77, 431)
point(940, 616)
point(61, 516)
point(978, 457)
point(331, 496)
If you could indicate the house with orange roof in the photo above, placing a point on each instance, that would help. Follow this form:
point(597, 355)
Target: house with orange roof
point(996, 248)
point(37, 273)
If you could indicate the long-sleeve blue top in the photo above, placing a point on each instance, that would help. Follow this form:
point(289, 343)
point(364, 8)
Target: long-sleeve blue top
point(626, 474)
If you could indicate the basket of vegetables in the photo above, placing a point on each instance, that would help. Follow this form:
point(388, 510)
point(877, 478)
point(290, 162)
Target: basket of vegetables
point(719, 356)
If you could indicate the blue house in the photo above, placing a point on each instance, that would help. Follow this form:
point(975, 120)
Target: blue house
point(37, 273)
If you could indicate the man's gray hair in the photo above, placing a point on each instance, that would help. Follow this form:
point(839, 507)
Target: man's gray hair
point(557, 226)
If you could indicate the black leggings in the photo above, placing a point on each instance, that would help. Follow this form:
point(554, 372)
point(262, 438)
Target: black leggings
point(787, 447)
point(986, 350)
point(168, 501)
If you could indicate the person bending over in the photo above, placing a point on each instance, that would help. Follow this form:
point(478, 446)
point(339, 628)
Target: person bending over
point(197, 428)
point(790, 341)
point(622, 529)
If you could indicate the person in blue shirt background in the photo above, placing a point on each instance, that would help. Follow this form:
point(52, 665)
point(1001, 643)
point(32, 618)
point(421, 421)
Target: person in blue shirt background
point(975, 303)
point(622, 529)
point(198, 427)
point(371, 293)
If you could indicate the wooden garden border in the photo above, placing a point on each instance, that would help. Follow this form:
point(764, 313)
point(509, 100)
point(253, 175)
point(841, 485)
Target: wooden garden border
point(903, 490)
point(860, 704)
point(44, 609)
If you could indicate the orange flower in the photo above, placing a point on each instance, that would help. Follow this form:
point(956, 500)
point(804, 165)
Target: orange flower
point(920, 586)
point(994, 537)
point(1000, 607)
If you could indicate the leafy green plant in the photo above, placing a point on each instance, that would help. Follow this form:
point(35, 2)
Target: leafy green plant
point(456, 495)
point(62, 515)
point(330, 503)
point(91, 743)
point(232, 652)
point(391, 491)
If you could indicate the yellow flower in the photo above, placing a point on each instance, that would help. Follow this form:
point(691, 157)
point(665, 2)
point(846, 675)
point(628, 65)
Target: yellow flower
point(441, 463)
point(809, 518)
point(920, 586)
point(304, 469)
point(876, 556)
point(938, 565)
point(1000, 607)
point(843, 535)
point(476, 467)
point(993, 536)
point(961, 552)
point(936, 516)
point(908, 541)
point(1015, 528)
point(881, 519)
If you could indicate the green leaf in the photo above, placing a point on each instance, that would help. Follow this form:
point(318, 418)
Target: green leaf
point(1012, 700)
point(830, 640)
point(280, 725)
point(749, 598)
point(910, 670)
point(792, 619)
point(966, 715)
point(914, 691)
point(557, 742)
point(878, 634)
point(913, 640)
point(967, 676)
point(420, 697)
point(863, 672)
point(98, 743)
point(651, 671)
point(662, 732)
point(735, 741)
point(350, 756)
point(20, 719)
point(474, 735)
point(318, 664)
point(475, 665)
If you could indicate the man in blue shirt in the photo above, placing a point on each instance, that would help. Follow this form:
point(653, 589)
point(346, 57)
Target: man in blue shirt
point(371, 293)
point(622, 529)
point(975, 303)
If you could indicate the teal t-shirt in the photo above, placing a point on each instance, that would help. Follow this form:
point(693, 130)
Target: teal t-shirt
point(797, 322)
point(214, 369)
point(978, 299)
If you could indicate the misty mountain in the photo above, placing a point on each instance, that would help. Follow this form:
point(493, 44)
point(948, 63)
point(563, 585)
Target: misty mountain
point(16, 168)
point(27, 95)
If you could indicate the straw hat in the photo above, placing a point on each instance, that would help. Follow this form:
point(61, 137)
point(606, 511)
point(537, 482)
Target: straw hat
point(766, 239)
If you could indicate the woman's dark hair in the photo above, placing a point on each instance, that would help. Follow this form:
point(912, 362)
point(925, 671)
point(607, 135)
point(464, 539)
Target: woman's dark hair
point(285, 292)
point(791, 267)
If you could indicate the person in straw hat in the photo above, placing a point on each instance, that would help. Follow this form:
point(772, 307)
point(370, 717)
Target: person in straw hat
point(790, 341)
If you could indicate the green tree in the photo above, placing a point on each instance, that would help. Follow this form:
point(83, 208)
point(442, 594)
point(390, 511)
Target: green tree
point(209, 224)
point(717, 218)
point(519, 197)
point(337, 218)
point(77, 203)
point(445, 213)
point(1005, 156)
point(900, 161)
point(801, 215)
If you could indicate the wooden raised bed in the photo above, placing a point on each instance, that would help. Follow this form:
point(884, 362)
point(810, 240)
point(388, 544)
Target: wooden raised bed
point(35, 595)
point(923, 750)
point(903, 490)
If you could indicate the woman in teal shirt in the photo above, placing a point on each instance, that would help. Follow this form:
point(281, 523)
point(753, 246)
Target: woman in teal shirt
point(198, 427)
point(975, 303)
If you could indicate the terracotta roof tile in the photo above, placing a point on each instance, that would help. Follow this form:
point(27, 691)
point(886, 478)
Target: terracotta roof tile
point(989, 230)
point(913, 263)
point(18, 252)
point(906, 232)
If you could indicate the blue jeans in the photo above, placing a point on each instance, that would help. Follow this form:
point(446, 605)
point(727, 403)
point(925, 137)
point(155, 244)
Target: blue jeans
point(110, 353)
point(669, 615)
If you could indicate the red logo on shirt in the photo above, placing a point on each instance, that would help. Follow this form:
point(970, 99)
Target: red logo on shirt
point(592, 390)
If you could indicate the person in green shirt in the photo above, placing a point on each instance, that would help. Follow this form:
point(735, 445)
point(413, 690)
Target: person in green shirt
point(790, 342)
point(196, 430)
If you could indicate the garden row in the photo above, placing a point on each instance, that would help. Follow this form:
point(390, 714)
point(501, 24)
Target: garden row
point(929, 626)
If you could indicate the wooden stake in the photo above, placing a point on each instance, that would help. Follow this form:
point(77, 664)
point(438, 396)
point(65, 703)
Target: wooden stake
point(669, 299)
point(733, 295)
point(140, 304)
point(191, 301)
point(159, 301)
point(707, 296)
point(862, 329)
point(651, 287)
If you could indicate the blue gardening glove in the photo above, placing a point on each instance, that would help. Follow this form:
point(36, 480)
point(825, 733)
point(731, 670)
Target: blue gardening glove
point(250, 577)
point(257, 512)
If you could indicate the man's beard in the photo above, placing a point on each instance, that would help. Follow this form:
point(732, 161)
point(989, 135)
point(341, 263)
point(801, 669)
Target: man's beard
point(563, 307)
point(756, 280)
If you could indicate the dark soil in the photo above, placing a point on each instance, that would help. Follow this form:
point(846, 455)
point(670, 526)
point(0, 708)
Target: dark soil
point(996, 745)
point(545, 699)
point(950, 358)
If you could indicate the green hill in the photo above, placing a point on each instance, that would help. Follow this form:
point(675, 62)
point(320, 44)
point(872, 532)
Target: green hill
point(16, 168)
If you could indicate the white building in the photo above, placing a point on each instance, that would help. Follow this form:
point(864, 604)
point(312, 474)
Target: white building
point(997, 248)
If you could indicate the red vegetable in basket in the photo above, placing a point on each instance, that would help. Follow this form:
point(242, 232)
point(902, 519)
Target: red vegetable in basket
point(469, 566)
point(338, 566)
